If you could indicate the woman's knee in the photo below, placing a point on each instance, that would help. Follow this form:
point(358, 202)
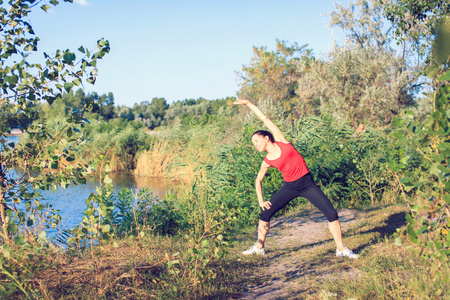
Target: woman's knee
point(265, 216)
point(332, 216)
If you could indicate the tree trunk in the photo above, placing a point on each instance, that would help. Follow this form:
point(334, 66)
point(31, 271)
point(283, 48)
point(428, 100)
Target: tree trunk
point(3, 209)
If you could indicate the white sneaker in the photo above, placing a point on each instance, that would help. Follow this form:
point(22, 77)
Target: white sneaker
point(254, 250)
point(346, 253)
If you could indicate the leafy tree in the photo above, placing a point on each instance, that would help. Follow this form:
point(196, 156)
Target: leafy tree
point(431, 179)
point(272, 74)
point(364, 22)
point(104, 104)
point(123, 112)
point(159, 107)
point(366, 85)
point(44, 159)
point(419, 21)
point(365, 79)
point(65, 105)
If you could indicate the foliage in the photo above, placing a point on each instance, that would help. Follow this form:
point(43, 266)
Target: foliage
point(418, 21)
point(431, 179)
point(94, 227)
point(429, 225)
point(272, 74)
point(151, 114)
point(364, 22)
point(24, 84)
point(143, 210)
point(364, 85)
point(118, 140)
point(350, 167)
point(366, 79)
point(44, 159)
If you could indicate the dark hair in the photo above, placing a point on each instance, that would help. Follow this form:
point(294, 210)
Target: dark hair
point(264, 133)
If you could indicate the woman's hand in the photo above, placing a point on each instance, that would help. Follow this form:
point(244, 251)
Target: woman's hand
point(241, 102)
point(265, 205)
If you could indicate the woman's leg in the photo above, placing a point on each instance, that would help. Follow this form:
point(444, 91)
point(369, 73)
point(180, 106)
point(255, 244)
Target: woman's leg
point(263, 229)
point(335, 229)
point(278, 201)
point(315, 195)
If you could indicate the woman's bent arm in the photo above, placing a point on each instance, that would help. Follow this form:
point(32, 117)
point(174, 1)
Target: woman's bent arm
point(258, 186)
point(277, 134)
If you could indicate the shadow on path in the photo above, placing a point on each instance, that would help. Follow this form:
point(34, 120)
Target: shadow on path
point(390, 226)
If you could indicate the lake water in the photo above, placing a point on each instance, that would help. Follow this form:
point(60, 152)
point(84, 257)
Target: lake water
point(71, 200)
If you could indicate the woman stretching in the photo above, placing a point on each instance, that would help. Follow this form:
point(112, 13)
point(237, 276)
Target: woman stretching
point(298, 182)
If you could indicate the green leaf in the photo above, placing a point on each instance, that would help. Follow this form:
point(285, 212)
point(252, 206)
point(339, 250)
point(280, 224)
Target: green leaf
point(29, 47)
point(412, 234)
point(434, 169)
point(12, 228)
point(77, 82)
point(42, 236)
point(398, 241)
point(19, 240)
point(69, 57)
point(68, 86)
point(445, 76)
point(447, 197)
point(447, 188)
point(404, 160)
point(409, 219)
point(106, 228)
point(409, 188)
point(11, 79)
point(436, 115)
point(414, 208)
point(421, 230)
point(107, 180)
point(399, 135)
point(45, 7)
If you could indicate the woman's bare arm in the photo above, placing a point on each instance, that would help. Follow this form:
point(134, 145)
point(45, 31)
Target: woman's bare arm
point(277, 134)
point(258, 186)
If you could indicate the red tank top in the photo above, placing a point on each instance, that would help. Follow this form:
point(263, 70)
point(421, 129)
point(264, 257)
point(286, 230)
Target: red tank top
point(290, 163)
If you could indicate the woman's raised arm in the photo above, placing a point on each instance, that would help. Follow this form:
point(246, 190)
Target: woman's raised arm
point(277, 134)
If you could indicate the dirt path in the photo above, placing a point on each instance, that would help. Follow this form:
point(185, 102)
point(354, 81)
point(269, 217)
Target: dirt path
point(300, 252)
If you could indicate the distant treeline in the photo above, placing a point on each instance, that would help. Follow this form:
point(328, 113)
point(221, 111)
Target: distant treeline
point(152, 114)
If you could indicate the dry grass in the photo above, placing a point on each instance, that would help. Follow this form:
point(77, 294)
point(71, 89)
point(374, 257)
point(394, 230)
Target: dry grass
point(157, 160)
point(125, 270)
point(137, 269)
point(178, 158)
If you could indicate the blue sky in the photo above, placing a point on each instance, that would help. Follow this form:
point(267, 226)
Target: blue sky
point(179, 49)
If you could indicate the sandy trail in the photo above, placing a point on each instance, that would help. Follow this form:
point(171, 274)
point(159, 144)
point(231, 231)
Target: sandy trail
point(301, 253)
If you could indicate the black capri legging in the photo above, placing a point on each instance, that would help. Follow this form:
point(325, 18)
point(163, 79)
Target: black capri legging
point(302, 187)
